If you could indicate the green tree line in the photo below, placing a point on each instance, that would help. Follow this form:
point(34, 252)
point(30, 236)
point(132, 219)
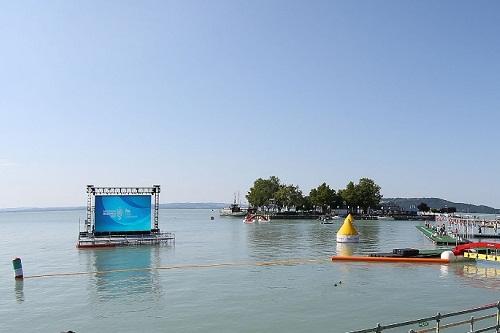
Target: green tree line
point(272, 194)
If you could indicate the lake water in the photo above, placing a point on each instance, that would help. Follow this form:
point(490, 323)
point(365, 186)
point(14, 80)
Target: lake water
point(295, 294)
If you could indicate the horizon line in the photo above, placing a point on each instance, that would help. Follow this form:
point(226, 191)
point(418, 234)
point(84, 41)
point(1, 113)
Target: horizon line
point(22, 208)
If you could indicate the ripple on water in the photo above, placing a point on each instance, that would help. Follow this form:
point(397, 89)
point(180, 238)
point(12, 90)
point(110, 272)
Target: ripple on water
point(292, 295)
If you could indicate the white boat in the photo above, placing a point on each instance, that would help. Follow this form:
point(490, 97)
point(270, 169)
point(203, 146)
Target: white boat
point(233, 210)
point(325, 218)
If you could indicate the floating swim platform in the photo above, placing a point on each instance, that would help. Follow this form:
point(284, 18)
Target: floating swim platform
point(440, 240)
point(87, 241)
point(489, 251)
point(392, 259)
point(482, 256)
point(421, 254)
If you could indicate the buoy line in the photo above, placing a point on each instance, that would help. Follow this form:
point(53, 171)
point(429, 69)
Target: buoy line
point(186, 266)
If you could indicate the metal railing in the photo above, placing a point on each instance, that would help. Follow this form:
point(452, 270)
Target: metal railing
point(438, 326)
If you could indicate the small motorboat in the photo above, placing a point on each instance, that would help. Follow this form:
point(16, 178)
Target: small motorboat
point(325, 218)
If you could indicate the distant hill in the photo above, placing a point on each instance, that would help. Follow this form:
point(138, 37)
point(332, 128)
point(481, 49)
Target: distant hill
point(194, 205)
point(172, 205)
point(41, 209)
point(411, 203)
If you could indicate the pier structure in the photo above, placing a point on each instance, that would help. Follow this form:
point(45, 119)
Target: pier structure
point(479, 250)
point(470, 226)
point(118, 216)
point(154, 238)
point(441, 238)
point(489, 255)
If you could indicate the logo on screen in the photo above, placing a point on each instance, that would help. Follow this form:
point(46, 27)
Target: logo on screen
point(115, 213)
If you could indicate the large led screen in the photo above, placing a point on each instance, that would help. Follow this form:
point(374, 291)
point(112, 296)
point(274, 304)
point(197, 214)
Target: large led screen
point(115, 213)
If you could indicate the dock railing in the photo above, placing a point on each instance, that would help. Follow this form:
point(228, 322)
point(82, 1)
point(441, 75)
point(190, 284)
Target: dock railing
point(422, 325)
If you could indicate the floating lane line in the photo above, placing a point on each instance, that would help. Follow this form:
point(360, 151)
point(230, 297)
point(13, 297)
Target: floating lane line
point(287, 262)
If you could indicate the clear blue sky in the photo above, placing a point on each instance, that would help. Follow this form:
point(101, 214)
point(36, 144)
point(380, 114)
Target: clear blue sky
point(203, 97)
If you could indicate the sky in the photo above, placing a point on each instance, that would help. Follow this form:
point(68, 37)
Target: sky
point(204, 97)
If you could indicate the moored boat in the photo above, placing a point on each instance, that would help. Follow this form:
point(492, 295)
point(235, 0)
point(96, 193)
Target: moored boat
point(233, 210)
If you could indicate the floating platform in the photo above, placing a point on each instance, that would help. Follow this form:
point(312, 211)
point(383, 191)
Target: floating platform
point(479, 250)
point(406, 217)
point(421, 254)
point(391, 259)
point(484, 236)
point(293, 216)
point(86, 241)
point(482, 256)
point(440, 240)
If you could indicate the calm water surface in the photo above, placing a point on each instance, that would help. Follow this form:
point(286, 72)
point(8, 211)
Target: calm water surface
point(243, 297)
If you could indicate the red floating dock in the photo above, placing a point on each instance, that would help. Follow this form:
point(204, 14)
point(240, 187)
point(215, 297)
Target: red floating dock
point(391, 259)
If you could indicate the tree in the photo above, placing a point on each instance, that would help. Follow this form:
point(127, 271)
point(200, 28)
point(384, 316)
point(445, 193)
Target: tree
point(365, 194)
point(288, 196)
point(323, 196)
point(448, 210)
point(423, 207)
point(348, 195)
point(305, 205)
point(281, 197)
point(263, 191)
point(296, 196)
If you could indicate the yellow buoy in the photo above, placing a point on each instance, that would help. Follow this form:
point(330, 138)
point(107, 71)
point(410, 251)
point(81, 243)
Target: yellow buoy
point(347, 233)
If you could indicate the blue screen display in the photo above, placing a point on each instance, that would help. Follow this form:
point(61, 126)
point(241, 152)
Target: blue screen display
point(115, 213)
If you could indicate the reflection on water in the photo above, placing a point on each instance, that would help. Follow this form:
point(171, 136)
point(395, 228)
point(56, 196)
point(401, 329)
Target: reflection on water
point(346, 249)
point(284, 297)
point(307, 239)
point(269, 240)
point(489, 272)
point(123, 271)
point(444, 269)
point(480, 275)
point(19, 289)
point(369, 235)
